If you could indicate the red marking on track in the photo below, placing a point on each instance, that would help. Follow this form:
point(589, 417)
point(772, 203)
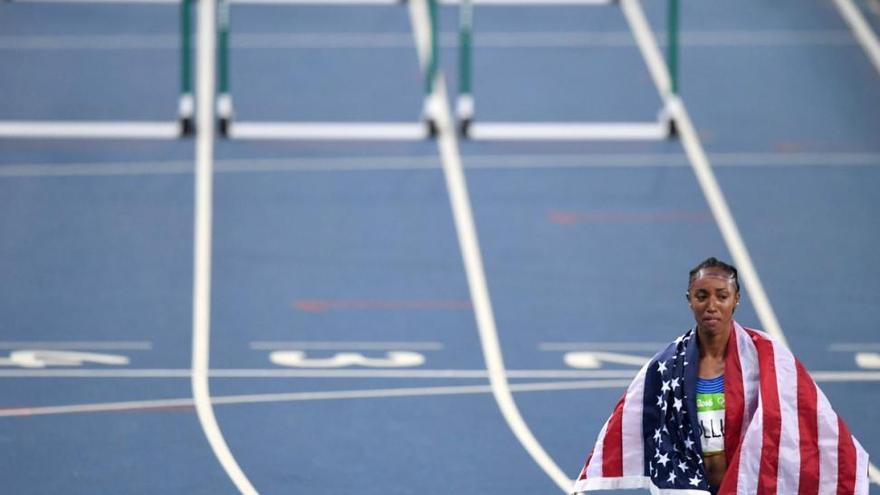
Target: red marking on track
point(324, 305)
point(574, 217)
point(790, 146)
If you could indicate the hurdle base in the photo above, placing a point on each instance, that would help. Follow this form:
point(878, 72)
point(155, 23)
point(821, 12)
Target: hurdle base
point(672, 129)
point(464, 128)
point(187, 127)
point(431, 128)
point(223, 126)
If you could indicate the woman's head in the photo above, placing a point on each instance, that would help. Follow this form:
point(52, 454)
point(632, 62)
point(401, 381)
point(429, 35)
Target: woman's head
point(713, 294)
point(712, 262)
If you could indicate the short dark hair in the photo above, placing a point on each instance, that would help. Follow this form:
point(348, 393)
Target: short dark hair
point(713, 262)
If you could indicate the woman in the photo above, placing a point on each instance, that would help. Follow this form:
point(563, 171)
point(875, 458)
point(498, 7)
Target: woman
point(724, 410)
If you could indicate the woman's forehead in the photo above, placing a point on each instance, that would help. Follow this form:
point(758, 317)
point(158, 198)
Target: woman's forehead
point(712, 278)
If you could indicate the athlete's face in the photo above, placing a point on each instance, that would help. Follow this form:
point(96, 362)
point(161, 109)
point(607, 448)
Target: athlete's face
point(713, 297)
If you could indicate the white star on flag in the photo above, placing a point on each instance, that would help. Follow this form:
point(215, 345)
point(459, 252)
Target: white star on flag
point(671, 477)
point(657, 435)
point(663, 460)
point(665, 387)
point(675, 384)
point(683, 466)
point(661, 367)
point(689, 443)
point(677, 404)
point(695, 481)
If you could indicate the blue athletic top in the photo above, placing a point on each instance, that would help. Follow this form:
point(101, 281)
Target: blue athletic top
point(710, 414)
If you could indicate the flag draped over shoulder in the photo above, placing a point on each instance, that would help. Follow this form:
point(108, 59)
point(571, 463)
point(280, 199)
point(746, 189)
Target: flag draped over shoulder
point(780, 437)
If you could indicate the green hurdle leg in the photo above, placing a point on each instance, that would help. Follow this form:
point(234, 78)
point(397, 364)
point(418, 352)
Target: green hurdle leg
point(464, 105)
point(672, 54)
point(186, 104)
point(224, 98)
point(429, 111)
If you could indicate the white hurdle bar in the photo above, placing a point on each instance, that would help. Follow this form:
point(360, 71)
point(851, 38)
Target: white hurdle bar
point(324, 131)
point(91, 130)
point(341, 2)
point(568, 131)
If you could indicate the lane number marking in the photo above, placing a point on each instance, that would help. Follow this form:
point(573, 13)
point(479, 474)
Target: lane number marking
point(394, 359)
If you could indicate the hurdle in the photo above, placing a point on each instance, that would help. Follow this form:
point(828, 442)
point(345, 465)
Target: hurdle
point(662, 128)
point(422, 128)
point(103, 129)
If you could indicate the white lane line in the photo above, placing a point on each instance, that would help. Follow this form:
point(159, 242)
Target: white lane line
point(81, 345)
point(874, 473)
point(853, 347)
point(409, 163)
point(314, 373)
point(147, 405)
point(201, 339)
point(456, 186)
point(605, 346)
point(845, 376)
point(560, 374)
point(340, 345)
point(703, 171)
point(861, 29)
point(497, 40)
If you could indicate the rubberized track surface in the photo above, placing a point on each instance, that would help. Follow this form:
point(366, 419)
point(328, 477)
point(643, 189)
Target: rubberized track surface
point(348, 251)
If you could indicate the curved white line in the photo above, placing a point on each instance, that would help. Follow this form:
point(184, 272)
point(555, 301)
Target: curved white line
point(861, 30)
point(702, 169)
point(470, 251)
point(202, 250)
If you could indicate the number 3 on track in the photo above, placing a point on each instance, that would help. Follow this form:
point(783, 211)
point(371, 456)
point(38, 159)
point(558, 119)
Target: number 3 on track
point(395, 359)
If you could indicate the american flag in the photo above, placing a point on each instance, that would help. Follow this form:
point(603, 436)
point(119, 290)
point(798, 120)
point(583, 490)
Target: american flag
point(780, 437)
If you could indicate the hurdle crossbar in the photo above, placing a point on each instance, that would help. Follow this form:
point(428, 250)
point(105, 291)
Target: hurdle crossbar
point(89, 130)
point(568, 131)
point(86, 129)
point(662, 128)
point(322, 131)
point(232, 128)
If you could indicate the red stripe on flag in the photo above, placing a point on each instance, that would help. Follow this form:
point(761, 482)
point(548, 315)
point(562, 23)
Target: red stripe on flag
point(734, 397)
point(771, 418)
point(734, 408)
point(808, 429)
point(612, 445)
point(846, 460)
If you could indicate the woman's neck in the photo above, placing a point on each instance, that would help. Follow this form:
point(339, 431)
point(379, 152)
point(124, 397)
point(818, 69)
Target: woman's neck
point(714, 344)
